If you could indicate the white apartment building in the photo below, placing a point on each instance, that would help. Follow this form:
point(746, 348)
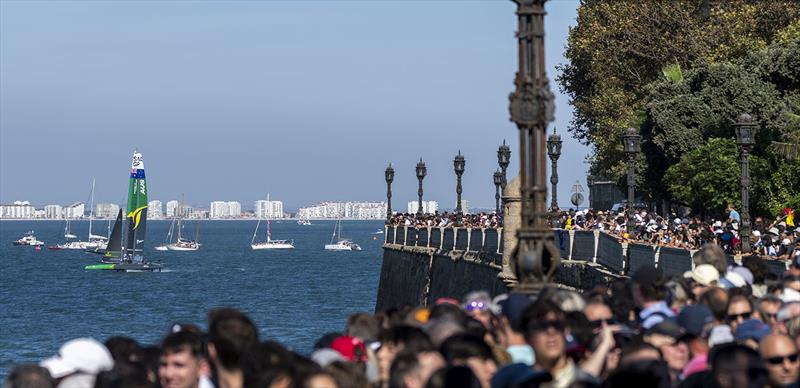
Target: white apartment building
point(172, 208)
point(53, 212)
point(219, 209)
point(427, 207)
point(154, 209)
point(234, 209)
point(76, 210)
point(19, 209)
point(355, 210)
point(106, 210)
point(268, 209)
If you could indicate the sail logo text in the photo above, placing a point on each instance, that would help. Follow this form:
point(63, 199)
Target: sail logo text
point(136, 216)
point(142, 187)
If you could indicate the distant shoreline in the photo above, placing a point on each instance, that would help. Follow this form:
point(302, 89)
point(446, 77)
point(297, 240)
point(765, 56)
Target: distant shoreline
point(192, 219)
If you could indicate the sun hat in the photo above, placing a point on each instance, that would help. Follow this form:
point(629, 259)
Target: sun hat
point(79, 355)
point(774, 230)
point(704, 274)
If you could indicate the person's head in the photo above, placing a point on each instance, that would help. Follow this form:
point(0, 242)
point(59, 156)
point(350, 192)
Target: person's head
point(666, 337)
point(124, 349)
point(182, 359)
point(453, 376)
point(791, 281)
point(740, 309)
point(347, 374)
point(477, 304)
point(28, 376)
point(232, 339)
point(734, 365)
point(767, 309)
point(646, 373)
point(702, 278)
point(512, 307)
point(598, 312)
point(79, 361)
point(410, 370)
point(472, 351)
point(648, 286)
point(711, 253)
point(716, 299)
point(779, 353)
point(544, 330)
point(639, 351)
point(363, 326)
point(396, 339)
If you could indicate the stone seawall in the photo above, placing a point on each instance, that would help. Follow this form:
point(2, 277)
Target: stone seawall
point(422, 265)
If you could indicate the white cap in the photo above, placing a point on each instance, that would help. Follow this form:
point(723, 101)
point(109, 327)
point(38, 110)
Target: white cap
point(677, 221)
point(79, 355)
point(704, 274)
point(756, 233)
point(735, 279)
point(786, 241)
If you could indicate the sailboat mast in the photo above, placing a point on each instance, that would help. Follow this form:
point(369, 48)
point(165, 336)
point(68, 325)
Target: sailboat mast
point(255, 231)
point(91, 210)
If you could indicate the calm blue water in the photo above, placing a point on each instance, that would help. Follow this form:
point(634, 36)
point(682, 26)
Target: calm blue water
point(293, 296)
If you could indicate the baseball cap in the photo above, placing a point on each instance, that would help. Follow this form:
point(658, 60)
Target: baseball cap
point(751, 329)
point(733, 280)
point(744, 272)
point(351, 348)
point(696, 320)
point(513, 307)
point(666, 327)
point(704, 274)
point(79, 355)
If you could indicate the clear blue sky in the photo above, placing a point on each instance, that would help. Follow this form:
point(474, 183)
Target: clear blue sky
point(307, 100)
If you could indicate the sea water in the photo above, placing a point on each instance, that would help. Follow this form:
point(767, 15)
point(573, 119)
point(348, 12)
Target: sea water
point(293, 296)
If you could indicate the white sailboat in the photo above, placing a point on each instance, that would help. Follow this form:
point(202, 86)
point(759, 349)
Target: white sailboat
point(182, 244)
point(270, 243)
point(342, 244)
point(67, 232)
point(94, 242)
point(163, 246)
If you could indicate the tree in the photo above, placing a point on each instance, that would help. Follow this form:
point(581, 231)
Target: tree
point(619, 47)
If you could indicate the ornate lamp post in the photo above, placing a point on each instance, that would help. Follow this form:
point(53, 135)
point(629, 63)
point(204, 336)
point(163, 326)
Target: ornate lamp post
point(745, 138)
point(554, 151)
point(421, 171)
point(498, 181)
point(503, 160)
point(458, 166)
point(531, 108)
point(389, 175)
point(632, 144)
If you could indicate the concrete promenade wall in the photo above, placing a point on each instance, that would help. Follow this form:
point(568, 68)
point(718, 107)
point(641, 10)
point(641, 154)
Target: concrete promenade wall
point(422, 265)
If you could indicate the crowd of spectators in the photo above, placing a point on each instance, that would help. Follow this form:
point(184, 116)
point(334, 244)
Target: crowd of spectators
point(716, 326)
point(447, 220)
point(776, 238)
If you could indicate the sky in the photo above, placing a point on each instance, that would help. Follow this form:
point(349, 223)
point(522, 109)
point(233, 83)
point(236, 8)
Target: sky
point(230, 100)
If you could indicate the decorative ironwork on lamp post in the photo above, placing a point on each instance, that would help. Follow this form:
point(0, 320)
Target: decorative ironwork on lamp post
point(458, 167)
point(554, 151)
point(421, 172)
point(531, 106)
point(389, 175)
point(498, 181)
point(503, 160)
point(745, 138)
point(632, 144)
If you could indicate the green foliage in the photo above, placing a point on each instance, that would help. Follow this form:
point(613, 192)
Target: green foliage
point(707, 178)
point(617, 48)
point(780, 189)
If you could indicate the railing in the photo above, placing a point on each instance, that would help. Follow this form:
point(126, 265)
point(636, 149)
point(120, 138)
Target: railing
point(488, 240)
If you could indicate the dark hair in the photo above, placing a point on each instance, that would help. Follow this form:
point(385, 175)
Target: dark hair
point(453, 377)
point(464, 346)
point(717, 301)
point(636, 346)
point(410, 338)
point(728, 358)
point(124, 375)
point(447, 311)
point(233, 335)
point(621, 301)
point(363, 326)
point(650, 373)
point(538, 311)
point(124, 349)
point(404, 364)
point(757, 267)
point(29, 376)
point(580, 328)
point(348, 374)
point(184, 340)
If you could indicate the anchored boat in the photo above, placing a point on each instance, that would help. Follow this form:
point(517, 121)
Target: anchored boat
point(131, 257)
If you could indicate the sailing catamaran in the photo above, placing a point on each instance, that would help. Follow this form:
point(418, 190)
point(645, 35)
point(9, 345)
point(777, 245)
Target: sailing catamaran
point(269, 244)
point(131, 257)
point(342, 244)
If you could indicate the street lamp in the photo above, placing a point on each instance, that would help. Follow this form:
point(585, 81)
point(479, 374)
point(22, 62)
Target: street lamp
point(632, 144)
point(458, 166)
point(745, 138)
point(389, 174)
point(503, 159)
point(554, 151)
point(498, 181)
point(421, 171)
point(532, 106)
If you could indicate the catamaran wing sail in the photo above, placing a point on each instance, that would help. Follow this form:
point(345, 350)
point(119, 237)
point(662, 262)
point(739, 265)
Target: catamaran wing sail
point(137, 207)
point(115, 240)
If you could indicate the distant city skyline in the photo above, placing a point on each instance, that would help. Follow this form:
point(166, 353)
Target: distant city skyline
point(309, 101)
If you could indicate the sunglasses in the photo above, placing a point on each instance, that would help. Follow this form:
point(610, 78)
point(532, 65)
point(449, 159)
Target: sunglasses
point(547, 325)
point(781, 359)
point(598, 323)
point(735, 317)
point(476, 305)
